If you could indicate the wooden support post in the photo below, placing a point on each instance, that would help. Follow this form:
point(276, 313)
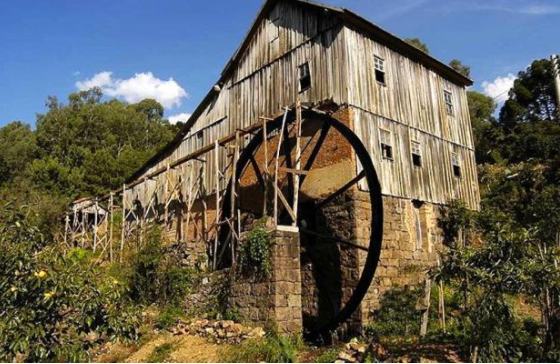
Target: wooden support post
point(265, 169)
point(66, 228)
point(203, 196)
point(123, 227)
point(95, 222)
point(111, 221)
point(426, 307)
point(277, 165)
point(295, 176)
point(75, 226)
point(165, 197)
point(442, 307)
point(234, 195)
point(84, 227)
point(217, 179)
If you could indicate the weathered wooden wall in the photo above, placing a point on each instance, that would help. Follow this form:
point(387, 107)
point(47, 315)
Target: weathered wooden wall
point(341, 64)
point(411, 105)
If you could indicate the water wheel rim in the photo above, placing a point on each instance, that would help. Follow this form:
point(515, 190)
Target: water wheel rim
point(376, 209)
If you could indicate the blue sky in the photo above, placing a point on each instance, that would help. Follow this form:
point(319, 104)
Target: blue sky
point(175, 49)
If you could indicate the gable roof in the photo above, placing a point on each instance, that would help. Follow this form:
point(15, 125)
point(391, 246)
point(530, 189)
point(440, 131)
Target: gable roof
point(380, 35)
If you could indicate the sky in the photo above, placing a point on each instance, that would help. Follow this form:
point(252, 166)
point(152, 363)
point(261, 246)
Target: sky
point(174, 50)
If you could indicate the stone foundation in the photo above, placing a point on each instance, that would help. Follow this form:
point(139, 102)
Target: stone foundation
point(411, 242)
point(276, 300)
point(330, 271)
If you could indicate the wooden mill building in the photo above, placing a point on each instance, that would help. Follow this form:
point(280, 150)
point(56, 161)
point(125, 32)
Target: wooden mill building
point(314, 96)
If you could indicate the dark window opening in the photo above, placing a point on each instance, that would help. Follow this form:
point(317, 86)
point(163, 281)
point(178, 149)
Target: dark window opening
point(456, 165)
point(304, 77)
point(387, 151)
point(379, 65)
point(448, 97)
point(417, 160)
point(457, 171)
point(416, 153)
point(380, 76)
point(386, 145)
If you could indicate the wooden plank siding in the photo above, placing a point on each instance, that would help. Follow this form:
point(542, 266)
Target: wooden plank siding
point(434, 180)
point(411, 104)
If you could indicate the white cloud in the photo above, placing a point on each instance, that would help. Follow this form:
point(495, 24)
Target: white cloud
point(101, 80)
point(174, 119)
point(141, 86)
point(498, 89)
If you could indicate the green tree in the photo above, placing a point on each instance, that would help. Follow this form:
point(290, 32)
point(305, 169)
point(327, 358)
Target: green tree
point(96, 144)
point(416, 42)
point(488, 135)
point(532, 96)
point(17, 150)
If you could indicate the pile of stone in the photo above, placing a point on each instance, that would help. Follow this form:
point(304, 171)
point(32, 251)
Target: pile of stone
point(356, 352)
point(221, 331)
point(353, 352)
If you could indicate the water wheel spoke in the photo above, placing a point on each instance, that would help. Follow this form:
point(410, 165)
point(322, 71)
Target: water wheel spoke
point(258, 172)
point(341, 190)
point(288, 159)
point(333, 239)
point(315, 152)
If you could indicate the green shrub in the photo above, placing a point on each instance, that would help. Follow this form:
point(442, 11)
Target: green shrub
point(254, 256)
point(397, 315)
point(168, 317)
point(327, 356)
point(161, 353)
point(233, 315)
point(54, 307)
point(155, 278)
point(271, 349)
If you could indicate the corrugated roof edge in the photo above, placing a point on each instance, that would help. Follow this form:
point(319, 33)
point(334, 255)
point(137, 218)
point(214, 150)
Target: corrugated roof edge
point(349, 16)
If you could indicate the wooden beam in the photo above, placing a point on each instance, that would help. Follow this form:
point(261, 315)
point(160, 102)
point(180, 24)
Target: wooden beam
point(285, 203)
point(294, 171)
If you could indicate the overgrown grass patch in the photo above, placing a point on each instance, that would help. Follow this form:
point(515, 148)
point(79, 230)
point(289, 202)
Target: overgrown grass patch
point(273, 348)
point(161, 353)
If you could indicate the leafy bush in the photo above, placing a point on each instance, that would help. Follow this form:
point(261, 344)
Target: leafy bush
point(273, 348)
point(161, 353)
point(168, 316)
point(154, 277)
point(397, 315)
point(327, 356)
point(254, 256)
point(54, 305)
point(498, 259)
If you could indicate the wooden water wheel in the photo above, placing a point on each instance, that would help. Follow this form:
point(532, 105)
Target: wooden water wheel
point(306, 167)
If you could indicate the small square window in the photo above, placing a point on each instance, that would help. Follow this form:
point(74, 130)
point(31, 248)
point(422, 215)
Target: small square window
point(386, 145)
point(304, 77)
point(416, 153)
point(456, 162)
point(448, 97)
point(200, 135)
point(379, 65)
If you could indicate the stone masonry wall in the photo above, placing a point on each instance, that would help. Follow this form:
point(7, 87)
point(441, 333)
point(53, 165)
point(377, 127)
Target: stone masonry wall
point(274, 300)
point(404, 259)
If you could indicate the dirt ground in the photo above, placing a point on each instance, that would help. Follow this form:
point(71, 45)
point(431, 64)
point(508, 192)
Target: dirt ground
point(177, 349)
